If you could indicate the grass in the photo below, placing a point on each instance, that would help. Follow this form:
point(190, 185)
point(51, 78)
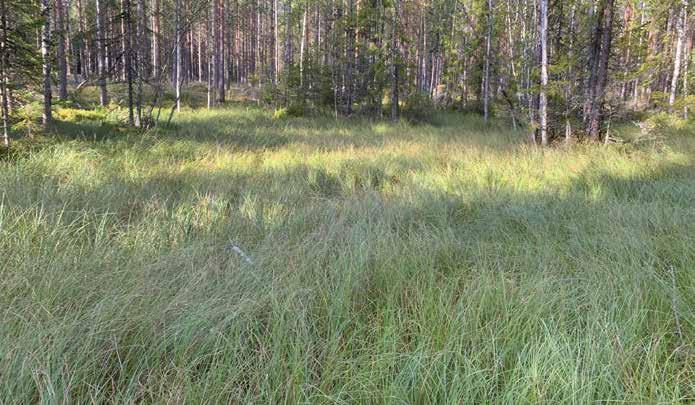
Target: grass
point(440, 263)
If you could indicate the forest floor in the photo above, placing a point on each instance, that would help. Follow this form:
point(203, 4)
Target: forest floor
point(241, 257)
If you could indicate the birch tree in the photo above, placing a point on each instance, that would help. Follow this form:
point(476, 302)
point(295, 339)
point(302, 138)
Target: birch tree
point(543, 103)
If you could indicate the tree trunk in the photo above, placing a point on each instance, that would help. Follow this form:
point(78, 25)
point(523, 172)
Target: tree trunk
point(156, 32)
point(71, 48)
point(127, 58)
point(221, 35)
point(686, 51)
point(288, 59)
point(635, 92)
point(101, 53)
point(598, 95)
point(594, 56)
point(3, 72)
point(349, 66)
point(395, 56)
point(679, 51)
point(177, 52)
point(124, 39)
point(139, 59)
point(302, 44)
point(570, 77)
point(276, 43)
point(200, 55)
point(543, 103)
point(214, 53)
point(486, 73)
point(45, 54)
point(60, 50)
point(83, 51)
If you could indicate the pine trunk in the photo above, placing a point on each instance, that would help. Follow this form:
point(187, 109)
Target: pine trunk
point(598, 95)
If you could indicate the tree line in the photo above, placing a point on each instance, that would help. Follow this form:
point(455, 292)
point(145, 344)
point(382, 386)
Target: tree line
point(560, 68)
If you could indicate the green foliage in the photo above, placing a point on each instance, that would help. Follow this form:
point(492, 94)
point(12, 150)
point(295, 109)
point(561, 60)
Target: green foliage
point(28, 118)
point(668, 124)
point(418, 107)
point(270, 94)
point(79, 115)
point(293, 110)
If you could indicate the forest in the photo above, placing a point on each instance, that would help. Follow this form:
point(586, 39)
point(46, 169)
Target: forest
point(347, 201)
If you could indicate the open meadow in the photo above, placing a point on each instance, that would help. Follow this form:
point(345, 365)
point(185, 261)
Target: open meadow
point(240, 258)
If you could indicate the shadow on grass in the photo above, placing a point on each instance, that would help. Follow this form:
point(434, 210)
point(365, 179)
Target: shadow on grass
point(418, 232)
point(94, 131)
point(252, 128)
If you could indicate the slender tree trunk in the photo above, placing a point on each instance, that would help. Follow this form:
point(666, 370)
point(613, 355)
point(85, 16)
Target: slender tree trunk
point(288, 47)
point(83, 51)
point(45, 54)
point(594, 57)
point(679, 51)
point(101, 52)
point(60, 50)
point(570, 77)
point(687, 51)
point(222, 31)
point(635, 94)
point(178, 58)
point(124, 39)
point(276, 44)
point(191, 49)
point(214, 53)
point(4, 66)
point(156, 32)
point(395, 56)
point(349, 66)
point(200, 54)
point(210, 57)
point(486, 73)
point(128, 58)
point(302, 44)
point(71, 46)
point(627, 56)
point(139, 59)
point(543, 103)
point(598, 95)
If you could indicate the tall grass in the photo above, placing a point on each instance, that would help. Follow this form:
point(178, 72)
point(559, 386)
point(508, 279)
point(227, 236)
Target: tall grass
point(439, 263)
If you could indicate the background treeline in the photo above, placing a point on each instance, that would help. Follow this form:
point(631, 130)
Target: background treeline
point(561, 68)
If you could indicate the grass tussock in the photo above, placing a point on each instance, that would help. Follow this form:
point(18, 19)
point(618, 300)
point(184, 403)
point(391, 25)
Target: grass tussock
point(388, 263)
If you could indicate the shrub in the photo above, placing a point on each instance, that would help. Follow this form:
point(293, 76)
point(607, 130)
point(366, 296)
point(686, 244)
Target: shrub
point(293, 110)
point(418, 107)
point(28, 118)
point(664, 123)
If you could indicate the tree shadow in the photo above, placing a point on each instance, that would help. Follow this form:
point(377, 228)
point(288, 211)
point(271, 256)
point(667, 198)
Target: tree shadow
point(255, 129)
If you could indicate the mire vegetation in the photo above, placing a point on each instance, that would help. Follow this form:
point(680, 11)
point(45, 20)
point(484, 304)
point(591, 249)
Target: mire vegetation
point(351, 202)
point(240, 257)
